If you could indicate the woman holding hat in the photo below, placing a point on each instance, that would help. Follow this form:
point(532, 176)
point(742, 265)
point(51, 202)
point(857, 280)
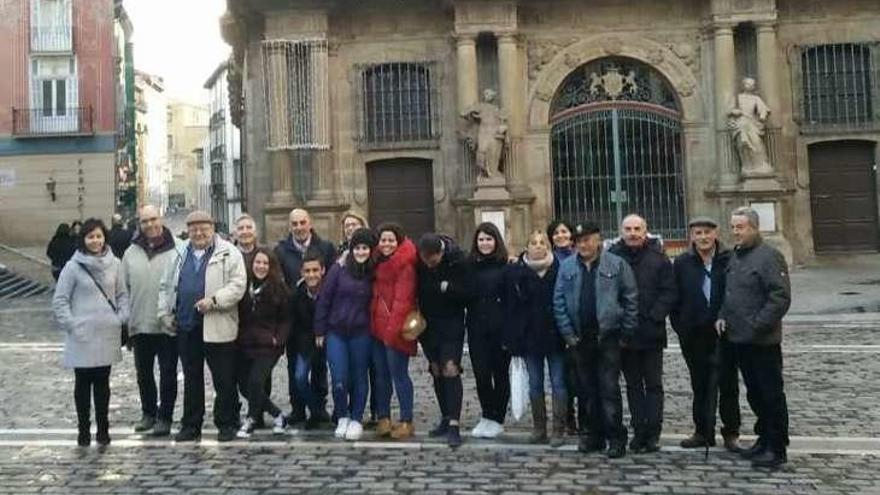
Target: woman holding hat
point(394, 294)
point(342, 321)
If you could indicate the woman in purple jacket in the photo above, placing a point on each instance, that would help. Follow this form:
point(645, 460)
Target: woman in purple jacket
point(342, 319)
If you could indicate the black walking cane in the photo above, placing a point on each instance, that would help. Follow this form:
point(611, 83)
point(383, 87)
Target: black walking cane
point(712, 386)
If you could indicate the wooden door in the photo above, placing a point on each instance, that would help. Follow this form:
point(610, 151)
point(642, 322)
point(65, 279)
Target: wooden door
point(402, 191)
point(843, 196)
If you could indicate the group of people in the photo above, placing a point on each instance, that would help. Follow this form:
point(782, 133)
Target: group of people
point(64, 242)
point(584, 309)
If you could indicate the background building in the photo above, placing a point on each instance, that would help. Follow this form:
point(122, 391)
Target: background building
point(151, 127)
point(223, 153)
point(59, 125)
point(611, 107)
point(187, 128)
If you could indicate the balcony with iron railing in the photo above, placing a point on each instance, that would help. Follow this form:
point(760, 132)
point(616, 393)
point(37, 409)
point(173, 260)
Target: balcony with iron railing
point(53, 38)
point(48, 122)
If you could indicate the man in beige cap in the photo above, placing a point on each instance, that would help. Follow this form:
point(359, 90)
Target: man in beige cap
point(198, 299)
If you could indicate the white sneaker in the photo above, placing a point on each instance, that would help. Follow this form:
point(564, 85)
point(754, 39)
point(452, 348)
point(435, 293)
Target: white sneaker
point(479, 431)
point(247, 427)
point(278, 425)
point(354, 431)
point(341, 427)
point(493, 429)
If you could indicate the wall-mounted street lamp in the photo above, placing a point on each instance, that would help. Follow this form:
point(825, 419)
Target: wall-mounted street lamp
point(50, 187)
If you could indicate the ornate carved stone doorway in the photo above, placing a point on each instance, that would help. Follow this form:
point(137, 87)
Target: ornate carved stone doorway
point(616, 147)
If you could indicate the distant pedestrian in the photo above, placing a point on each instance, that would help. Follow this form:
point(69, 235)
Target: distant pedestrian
point(120, 237)
point(757, 296)
point(642, 355)
point(530, 331)
point(144, 262)
point(700, 278)
point(394, 297)
point(91, 306)
point(443, 294)
point(342, 322)
point(488, 268)
point(595, 303)
point(264, 325)
point(198, 298)
point(60, 249)
point(290, 252)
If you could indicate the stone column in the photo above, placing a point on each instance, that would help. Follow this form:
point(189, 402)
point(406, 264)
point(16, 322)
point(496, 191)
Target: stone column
point(282, 177)
point(508, 71)
point(768, 75)
point(466, 47)
point(725, 68)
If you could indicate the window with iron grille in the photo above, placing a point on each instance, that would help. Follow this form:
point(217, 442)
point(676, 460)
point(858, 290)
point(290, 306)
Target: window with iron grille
point(237, 180)
point(296, 94)
point(840, 85)
point(399, 105)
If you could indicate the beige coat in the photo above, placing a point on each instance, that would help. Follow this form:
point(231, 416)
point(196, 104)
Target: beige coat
point(225, 283)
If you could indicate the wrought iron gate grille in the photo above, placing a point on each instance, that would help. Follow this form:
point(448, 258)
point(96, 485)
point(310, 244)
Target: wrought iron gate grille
point(611, 159)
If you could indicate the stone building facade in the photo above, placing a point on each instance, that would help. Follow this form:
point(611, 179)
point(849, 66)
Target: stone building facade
point(610, 107)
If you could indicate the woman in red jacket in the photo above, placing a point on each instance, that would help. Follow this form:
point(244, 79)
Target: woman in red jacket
point(264, 324)
point(394, 295)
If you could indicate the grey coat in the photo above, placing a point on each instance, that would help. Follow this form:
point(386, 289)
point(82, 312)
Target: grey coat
point(142, 275)
point(92, 330)
point(617, 295)
point(757, 295)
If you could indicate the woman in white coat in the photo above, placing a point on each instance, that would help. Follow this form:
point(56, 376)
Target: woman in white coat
point(91, 307)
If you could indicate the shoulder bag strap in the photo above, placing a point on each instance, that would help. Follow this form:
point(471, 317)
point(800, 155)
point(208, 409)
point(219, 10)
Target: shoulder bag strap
point(98, 285)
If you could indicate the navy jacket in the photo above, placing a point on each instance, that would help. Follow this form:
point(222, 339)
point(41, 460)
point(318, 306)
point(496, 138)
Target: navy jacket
point(657, 292)
point(485, 310)
point(530, 326)
point(343, 305)
point(291, 258)
point(302, 331)
point(452, 269)
point(692, 313)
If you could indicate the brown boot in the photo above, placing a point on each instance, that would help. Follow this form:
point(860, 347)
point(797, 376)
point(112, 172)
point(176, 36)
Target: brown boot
point(539, 420)
point(557, 432)
point(403, 430)
point(731, 444)
point(383, 428)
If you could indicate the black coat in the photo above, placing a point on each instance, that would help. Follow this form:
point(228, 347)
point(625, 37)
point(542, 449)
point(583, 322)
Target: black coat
point(757, 295)
point(657, 292)
point(291, 258)
point(530, 326)
point(692, 312)
point(263, 324)
point(448, 305)
point(302, 330)
point(485, 310)
point(60, 250)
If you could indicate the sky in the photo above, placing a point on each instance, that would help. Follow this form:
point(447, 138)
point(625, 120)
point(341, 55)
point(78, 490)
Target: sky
point(180, 41)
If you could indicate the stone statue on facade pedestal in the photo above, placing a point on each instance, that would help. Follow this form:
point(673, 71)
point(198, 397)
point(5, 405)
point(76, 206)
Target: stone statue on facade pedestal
point(485, 133)
point(747, 120)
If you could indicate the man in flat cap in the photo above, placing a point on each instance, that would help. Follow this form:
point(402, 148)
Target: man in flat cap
point(700, 278)
point(198, 299)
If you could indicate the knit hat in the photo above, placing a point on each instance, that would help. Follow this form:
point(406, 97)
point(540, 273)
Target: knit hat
point(363, 236)
point(199, 216)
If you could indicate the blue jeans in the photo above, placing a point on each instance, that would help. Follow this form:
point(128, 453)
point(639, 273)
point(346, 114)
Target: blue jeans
point(302, 368)
point(349, 358)
point(556, 365)
point(392, 366)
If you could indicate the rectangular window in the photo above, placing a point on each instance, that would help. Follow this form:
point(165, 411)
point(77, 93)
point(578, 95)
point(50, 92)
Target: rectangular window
point(296, 94)
point(839, 85)
point(398, 105)
point(51, 26)
point(745, 44)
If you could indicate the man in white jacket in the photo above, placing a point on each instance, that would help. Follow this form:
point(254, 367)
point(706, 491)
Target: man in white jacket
point(152, 249)
point(198, 298)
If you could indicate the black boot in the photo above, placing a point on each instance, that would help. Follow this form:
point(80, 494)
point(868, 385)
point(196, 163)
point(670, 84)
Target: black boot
point(84, 435)
point(637, 444)
point(103, 435)
point(755, 450)
point(539, 420)
point(453, 437)
point(769, 458)
point(440, 430)
point(617, 449)
point(588, 444)
point(557, 432)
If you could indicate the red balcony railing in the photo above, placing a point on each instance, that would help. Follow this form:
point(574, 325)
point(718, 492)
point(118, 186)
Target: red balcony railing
point(42, 122)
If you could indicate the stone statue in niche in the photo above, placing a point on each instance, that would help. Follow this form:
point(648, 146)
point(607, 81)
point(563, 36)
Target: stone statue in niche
point(747, 120)
point(485, 133)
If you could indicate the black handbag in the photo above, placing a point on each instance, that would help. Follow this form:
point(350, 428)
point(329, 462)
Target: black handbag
point(124, 334)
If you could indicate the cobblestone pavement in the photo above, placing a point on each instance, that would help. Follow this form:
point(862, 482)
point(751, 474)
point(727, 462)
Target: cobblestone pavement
point(831, 382)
